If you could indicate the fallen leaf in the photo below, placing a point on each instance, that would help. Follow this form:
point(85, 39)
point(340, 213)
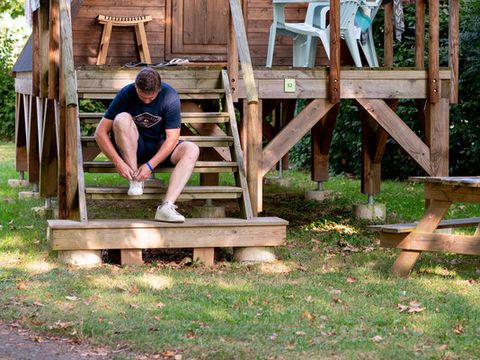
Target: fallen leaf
point(415, 307)
point(134, 306)
point(157, 318)
point(71, 298)
point(300, 333)
point(273, 336)
point(62, 325)
point(308, 315)
point(153, 329)
point(351, 279)
point(377, 338)
point(458, 330)
point(133, 289)
point(402, 307)
point(308, 299)
point(21, 286)
point(38, 303)
point(160, 305)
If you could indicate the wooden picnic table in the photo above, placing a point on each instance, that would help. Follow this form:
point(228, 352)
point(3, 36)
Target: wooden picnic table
point(440, 193)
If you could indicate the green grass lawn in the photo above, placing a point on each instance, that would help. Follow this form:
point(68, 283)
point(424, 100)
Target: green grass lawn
point(330, 294)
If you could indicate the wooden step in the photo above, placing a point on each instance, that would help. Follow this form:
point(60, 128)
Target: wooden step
point(201, 141)
point(156, 193)
point(200, 167)
point(149, 234)
point(187, 117)
point(185, 94)
point(407, 228)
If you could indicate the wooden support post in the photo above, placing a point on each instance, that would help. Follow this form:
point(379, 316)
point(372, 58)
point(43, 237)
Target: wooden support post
point(43, 24)
point(21, 158)
point(453, 46)
point(254, 156)
point(33, 142)
point(322, 134)
point(334, 74)
point(433, 52)
point(35, 53)
point(420, 34)
point(48, 153)
point(204, 255)
point(388, 36)
point(437, 134)
point(288, 113)
point(131, 257)
point(54, 50)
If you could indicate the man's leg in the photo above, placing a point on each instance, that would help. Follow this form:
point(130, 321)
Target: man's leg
point(126, 138)
point(183, 157)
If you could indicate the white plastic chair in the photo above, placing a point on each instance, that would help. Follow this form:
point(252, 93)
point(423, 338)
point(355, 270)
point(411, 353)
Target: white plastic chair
point(302, 33)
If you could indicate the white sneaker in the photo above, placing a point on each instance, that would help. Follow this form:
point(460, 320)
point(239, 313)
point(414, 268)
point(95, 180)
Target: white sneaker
point(166, 212)
point(136, 188)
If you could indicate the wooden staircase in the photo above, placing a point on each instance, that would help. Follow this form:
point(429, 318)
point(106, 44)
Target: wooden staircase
point(216, 133)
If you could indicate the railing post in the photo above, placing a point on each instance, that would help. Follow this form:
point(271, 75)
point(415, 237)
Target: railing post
point(334, 72)
point(453, 46)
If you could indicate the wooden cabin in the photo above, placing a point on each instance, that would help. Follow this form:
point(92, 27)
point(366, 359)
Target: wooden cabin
point(226, 43)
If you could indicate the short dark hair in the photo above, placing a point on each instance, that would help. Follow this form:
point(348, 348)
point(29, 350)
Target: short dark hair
point(148, 80)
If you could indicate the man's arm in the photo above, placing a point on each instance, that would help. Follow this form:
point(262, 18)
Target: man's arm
point(166, 149)
point(102, 136)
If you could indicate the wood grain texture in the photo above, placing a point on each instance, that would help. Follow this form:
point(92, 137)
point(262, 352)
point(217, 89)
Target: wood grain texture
point(454, 48)
point(433, 51)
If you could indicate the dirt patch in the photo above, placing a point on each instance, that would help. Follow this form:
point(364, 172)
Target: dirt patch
point(20, 344)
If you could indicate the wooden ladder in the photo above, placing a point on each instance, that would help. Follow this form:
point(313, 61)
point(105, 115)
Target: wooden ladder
point(137, 22)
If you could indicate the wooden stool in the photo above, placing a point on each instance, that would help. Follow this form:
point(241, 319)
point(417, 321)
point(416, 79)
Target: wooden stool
point(138, 22)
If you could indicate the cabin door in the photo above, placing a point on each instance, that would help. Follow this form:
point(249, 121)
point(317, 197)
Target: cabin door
point(197, 29)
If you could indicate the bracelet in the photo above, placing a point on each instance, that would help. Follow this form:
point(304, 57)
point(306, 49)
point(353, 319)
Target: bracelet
point(149, 166)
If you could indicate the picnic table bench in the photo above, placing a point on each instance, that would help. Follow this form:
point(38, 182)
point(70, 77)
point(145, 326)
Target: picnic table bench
point(440, 193)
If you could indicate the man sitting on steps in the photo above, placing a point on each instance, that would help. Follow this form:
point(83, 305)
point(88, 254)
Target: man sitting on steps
point(142, 126)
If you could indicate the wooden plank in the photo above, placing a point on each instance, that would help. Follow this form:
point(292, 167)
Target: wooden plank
point(409, 227)
point(33, 141)
point(164, 235)
point(334, 72)
point(449, 193)
point(388, 35)
point(293, 132)
point(43, 24)
point(420, 241)
point(131, 257)
point(200, 166)
point(399, 131)
point(35, 53)
point(429, 222)
point(54, 49)
point(204, 255)
point(420, 34)
point(454, 48)
point(254, 156)
point(433, 51)
point(232, 58)
point(201, 141)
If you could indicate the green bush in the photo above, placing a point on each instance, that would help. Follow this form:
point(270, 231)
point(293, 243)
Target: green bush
point(7, 91)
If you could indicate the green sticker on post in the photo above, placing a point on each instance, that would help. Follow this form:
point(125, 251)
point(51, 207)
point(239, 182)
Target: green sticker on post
point(289, 85)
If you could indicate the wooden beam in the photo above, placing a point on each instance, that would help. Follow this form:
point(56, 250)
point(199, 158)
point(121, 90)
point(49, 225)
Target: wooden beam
point(418, 241)
point(254, 156)
point(293, 132)
point(204, 255)
point(144, 234)
point(131, 257)
point(453, 46)
point(420, 34)
point(399, 131)
point(48, 153)
point(232, 60)
point(334, 72)
point(444, 193)
point(433, 51)
point(388, 36)
point(33, 141)
point(438, 135)
point(43, 24)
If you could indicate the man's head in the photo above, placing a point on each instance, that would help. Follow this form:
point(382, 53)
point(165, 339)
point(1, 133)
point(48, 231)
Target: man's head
point(148, 84)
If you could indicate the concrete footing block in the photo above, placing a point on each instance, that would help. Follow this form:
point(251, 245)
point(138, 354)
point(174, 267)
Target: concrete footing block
point(28, 195)
point(81, 258)
point(370, 211)
point(319, 195)
point(285, 182)
point(45, 212)
point(16, 183)
point(208, 211)
point(254, 254)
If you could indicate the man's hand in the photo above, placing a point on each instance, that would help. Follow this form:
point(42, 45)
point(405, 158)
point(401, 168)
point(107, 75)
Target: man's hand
point(143, 173)
point(124, 170)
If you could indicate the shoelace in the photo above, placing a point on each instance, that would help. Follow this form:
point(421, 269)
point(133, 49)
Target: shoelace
point(173, 208)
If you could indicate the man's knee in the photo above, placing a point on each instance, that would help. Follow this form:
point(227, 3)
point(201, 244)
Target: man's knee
point(191, 151)
point(123, 122)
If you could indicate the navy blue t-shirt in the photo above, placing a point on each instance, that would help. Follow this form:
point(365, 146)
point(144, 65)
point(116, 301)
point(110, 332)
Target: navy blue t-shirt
point(151, 119)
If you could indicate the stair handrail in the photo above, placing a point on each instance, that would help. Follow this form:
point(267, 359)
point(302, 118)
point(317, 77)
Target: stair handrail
point(243, 51)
